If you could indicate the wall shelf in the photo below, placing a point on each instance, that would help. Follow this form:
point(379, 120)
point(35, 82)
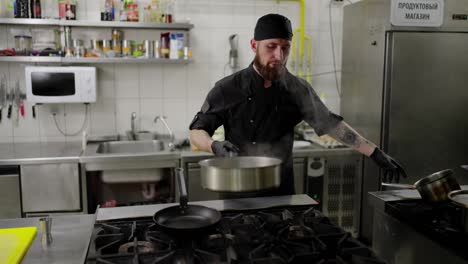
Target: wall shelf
point(96, 24)
point(125, 60)
point(29, 59)
point(84, 23)
point(93, 60)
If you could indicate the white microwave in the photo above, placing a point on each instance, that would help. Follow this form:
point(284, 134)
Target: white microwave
point(60, 84)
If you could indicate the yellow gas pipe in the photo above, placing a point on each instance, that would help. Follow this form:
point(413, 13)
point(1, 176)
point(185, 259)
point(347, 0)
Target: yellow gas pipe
point(302, 39)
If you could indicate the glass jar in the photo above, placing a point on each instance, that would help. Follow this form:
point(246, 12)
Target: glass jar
point(137, 49)
point(126, 48)
point(23, 45)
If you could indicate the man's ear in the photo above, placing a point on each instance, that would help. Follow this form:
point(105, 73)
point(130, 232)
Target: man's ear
point(253, 45)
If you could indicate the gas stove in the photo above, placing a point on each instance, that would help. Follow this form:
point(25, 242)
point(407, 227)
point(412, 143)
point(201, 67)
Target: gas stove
point(441, 223)
point(281, 235)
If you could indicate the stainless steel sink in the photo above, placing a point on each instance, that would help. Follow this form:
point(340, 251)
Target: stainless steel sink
point(116, 147)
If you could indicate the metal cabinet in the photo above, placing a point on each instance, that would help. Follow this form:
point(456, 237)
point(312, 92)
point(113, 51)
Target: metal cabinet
point(341, 200)
point(10, 201)
point(50, 187)
point(299, 166)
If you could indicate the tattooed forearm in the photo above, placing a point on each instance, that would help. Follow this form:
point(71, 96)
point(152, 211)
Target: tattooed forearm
point(346, 135)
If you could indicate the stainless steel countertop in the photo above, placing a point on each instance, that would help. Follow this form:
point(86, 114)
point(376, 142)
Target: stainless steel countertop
point(61, 152)
point(70, 234)
point(34, 153)
point(378, 199)
point(91, 156)
point(105, 214)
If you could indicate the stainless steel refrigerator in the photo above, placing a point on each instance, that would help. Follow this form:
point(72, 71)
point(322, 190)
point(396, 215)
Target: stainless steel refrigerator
point(406, 89)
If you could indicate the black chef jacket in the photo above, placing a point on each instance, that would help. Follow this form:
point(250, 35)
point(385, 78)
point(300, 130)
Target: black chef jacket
point(261, 121)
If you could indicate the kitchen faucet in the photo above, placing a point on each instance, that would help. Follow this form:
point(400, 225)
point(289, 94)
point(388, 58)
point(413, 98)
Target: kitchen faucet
point(171, 134)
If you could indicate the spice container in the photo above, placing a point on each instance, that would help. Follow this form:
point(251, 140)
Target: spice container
point(157, 49)
point(148, 48)
point(77, 42)
point(117, 42)
point(126, 48)
point(117, 34)
point(117, 48)
point(77, 48)
point(23, 45)
point(107, 48)
point(95, 48)
point(132, 12)
point(137, 49)
point(79, 51)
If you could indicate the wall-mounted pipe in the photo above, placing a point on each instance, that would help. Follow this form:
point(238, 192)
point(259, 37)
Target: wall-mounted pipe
point(299, 64)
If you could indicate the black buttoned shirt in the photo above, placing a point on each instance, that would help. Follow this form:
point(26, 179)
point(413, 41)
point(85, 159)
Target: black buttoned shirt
point(261, 121)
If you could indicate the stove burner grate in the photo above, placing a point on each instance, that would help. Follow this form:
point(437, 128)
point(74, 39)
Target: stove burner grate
point(269, 236)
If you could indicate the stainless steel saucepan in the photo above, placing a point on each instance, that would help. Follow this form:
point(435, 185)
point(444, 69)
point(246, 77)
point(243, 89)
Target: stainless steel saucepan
point(434, 188)
point(240, 174)
point(460, 199)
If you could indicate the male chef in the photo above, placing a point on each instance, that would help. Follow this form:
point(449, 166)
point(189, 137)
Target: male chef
point(260, 105)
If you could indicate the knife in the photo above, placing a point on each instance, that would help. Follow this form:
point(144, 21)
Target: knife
point(10, 103)
point(2, 95)
point(17, 103)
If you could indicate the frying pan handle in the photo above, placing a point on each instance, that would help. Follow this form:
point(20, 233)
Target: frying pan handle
point(399, 185)
point(182, 187)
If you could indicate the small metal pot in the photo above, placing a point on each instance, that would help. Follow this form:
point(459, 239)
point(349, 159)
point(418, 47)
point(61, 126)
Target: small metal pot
point(434, 188)
point(240, 174)
point(460, 199)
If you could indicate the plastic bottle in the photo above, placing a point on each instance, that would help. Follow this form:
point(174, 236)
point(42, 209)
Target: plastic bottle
point(123, 11)
point(155, 11)
point(165, 39)
point(180, 44)
point(169, 12)
point(173, 47)
point(112, 10)
point(35, 6)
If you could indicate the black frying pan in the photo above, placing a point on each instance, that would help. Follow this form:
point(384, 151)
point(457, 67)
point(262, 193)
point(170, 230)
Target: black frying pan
point(186, 219)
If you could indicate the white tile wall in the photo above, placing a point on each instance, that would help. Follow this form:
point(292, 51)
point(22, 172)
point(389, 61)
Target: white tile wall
point(149, 109)
point(176, 91)
point(103, 115)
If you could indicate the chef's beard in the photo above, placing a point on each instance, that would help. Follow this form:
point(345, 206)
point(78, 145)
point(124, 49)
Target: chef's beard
point(271, 73)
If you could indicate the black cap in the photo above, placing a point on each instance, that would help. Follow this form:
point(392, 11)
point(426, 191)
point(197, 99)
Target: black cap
point(273, 26)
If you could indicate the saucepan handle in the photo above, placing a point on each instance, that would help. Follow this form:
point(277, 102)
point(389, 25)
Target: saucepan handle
point(399, 185)
point(182, 187)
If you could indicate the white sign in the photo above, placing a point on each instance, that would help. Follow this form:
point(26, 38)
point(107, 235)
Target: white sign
point(417, 13)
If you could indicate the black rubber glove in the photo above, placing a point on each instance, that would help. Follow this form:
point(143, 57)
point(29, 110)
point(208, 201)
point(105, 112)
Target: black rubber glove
point(392, 169)
point(224, 149)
